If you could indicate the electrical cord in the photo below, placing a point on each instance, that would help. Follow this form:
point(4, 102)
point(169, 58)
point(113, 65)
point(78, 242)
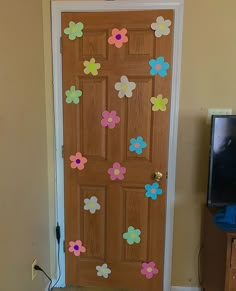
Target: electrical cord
point(38, 268)
point(59, 267)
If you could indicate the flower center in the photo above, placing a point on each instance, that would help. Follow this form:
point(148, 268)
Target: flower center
point(125, 88)
point(74, 29)
point(76, 247)
point(118, 36)
point(78, 161)
point(109, 119)
point(73, 94)
point(132, 235)
point(158, 67)
point(149, 269)
point(117, 172)
point(91, 205)
point(136, 145)
point(159, 103)
point(91, 67)
point(161, 26)
point(153, 190)
point(103, 271)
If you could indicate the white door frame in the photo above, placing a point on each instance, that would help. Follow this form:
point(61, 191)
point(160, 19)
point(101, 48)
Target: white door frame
point(118, 5)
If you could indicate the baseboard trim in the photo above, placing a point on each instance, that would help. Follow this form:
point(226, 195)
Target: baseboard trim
point(179, 288)
point(173, 288)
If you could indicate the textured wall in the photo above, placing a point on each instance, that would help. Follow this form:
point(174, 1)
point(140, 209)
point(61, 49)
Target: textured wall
point(23, 159)
point(208, 80)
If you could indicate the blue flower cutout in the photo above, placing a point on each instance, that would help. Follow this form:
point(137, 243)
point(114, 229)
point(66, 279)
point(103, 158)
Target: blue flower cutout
point(153, 190)
point(137, 145)
point(159, 66)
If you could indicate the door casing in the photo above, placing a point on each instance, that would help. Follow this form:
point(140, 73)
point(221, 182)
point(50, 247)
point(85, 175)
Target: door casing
point(117, 5)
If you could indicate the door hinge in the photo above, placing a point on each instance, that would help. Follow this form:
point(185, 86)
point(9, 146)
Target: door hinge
point(166, 175)
point(62, 151)
point(61, 45)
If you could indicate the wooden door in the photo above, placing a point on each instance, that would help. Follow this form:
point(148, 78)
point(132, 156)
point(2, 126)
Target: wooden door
point(115, 138)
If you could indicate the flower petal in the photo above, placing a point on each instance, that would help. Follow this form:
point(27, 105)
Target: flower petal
point(116, 165)
point(160, 60)
point(80, 166)
point(115, 31)
point(151, 264)
point(118, 44)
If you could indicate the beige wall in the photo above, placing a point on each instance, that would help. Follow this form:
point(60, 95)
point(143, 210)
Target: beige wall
point(24, 233)
point(208, 80)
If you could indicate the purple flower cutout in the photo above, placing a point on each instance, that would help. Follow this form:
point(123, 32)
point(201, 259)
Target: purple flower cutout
point(117, 172)
point(149, 269)
point(110, 119)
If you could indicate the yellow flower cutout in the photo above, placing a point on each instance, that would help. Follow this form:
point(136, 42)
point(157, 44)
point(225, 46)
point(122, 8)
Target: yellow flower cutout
point(159, 103)
point(91, 67)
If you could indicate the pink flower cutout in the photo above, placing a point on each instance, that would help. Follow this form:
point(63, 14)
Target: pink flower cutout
point(110, 119)
point(149, 269)
point(118, 37)
point(78, 161)
point(76, 247)
point(117, 172)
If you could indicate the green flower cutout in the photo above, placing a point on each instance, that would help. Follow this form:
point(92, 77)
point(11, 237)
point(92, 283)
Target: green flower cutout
point(91, 67)
point(159, 103)
point(73, 95)
point(132, 235)
point(74, 30)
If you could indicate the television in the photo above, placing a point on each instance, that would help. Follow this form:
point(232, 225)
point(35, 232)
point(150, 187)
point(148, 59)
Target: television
point(222, 161)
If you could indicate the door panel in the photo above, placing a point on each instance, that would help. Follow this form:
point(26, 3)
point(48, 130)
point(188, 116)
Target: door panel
point(122, 202)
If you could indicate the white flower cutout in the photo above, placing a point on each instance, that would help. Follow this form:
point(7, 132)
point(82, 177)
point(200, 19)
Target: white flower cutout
point(91, 204)
point(125, 87)
point(103, 271)
point(161, 26)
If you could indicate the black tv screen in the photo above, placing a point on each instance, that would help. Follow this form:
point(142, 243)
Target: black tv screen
point(222, 161)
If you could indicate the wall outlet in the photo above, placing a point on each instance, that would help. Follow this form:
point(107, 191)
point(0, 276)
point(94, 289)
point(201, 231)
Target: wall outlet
point(33, 271)
point(218, 111)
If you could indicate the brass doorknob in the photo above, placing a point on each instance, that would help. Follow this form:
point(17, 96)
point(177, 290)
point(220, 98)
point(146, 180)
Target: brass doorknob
point(157, 176)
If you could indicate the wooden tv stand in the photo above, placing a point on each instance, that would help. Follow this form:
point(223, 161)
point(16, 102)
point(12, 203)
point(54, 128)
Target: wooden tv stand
point(218, 256)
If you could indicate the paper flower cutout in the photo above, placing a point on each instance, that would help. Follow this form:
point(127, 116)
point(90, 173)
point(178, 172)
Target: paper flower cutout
point(73, 95)
point(110, 119)
point(161, 26)
point(159, 103)
point(159, 66)
point(74, 30)
point(118, 37)
point(149, 269)
point(153, 190)
point(91, 67)
point(76, 247)
point(125, 87)
point(91, 204)
point(78, 161)
point(132, 235)
point(137, 145)
point(103, 271)
point(117, 172)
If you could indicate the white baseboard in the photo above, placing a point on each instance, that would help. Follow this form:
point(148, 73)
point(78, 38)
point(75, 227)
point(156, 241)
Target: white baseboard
point(179, 288)
point(173, 288)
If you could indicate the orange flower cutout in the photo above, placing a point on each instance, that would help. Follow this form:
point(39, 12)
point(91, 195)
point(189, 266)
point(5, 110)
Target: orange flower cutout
point(118, 37)
point(78, 161)
point(76, 247)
